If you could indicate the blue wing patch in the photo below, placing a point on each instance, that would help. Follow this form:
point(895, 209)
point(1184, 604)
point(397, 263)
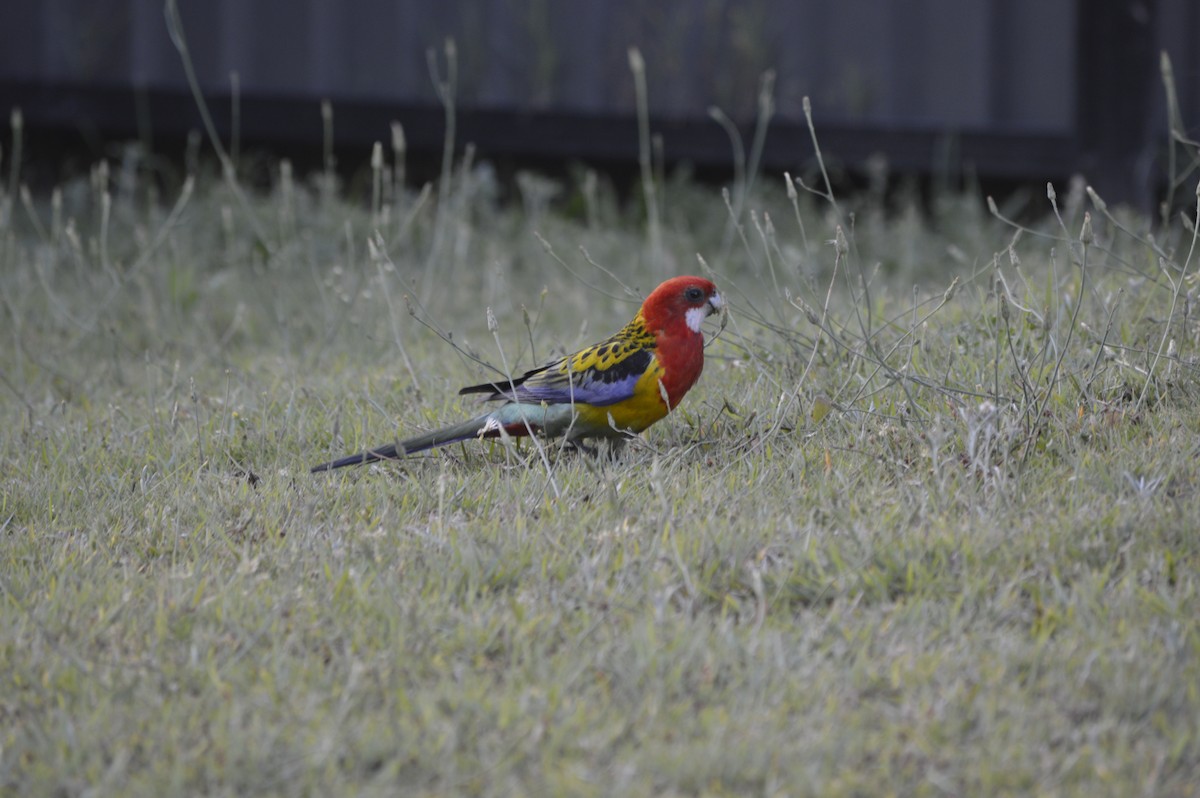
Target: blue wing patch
point(553, 384)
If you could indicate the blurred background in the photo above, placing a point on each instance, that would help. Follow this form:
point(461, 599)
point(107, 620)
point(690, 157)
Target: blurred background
point(1008, 92)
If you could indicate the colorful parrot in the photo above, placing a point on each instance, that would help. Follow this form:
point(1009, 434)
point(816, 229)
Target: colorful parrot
point(612, 389)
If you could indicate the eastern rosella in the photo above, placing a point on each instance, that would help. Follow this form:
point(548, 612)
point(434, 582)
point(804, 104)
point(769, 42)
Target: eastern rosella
point(612, 389)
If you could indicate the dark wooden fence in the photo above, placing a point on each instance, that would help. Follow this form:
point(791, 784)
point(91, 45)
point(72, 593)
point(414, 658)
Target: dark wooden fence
point(1012, 89)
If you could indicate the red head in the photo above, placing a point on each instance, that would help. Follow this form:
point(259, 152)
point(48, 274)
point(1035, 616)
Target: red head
point(677, 307)
point(673, 313)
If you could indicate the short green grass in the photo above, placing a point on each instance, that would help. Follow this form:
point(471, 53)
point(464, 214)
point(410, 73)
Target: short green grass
point(928, 525)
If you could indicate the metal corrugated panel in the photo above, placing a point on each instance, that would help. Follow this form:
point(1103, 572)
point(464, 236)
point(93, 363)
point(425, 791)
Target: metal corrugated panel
point(994, 70)
point(955, 63)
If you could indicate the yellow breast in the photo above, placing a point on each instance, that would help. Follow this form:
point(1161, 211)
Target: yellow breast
point(639, 411)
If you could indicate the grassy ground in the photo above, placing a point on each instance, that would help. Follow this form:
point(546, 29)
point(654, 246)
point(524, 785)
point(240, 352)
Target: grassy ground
point(928, 525)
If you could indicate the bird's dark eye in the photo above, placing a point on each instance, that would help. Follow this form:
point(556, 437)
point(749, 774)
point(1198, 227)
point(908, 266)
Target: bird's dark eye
point(693, 294)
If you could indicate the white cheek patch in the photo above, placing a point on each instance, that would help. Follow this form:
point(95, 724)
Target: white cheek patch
point(694, 316)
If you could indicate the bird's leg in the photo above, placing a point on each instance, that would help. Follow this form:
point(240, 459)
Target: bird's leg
point(616, 446)
point(579, 446)
point(610, 449)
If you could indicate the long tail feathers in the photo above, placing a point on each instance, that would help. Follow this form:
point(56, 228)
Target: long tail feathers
point(388, 452)
point(459, 432)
